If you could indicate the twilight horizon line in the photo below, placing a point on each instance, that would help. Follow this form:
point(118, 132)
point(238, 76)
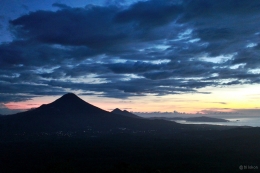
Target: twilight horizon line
point(167, 114)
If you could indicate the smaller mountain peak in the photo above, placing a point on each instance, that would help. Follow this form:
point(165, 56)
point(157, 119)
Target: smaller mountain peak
point(116, 109)
point(125, 113)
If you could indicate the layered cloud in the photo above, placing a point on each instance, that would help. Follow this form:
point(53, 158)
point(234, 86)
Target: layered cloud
point(154, 47)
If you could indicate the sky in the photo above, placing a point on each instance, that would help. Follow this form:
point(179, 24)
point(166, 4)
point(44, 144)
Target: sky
point(192, 56)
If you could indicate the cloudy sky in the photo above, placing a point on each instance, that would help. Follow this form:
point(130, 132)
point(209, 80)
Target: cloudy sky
point(144, 56)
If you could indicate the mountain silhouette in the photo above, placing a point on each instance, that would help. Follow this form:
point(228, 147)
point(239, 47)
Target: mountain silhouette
point(193, 119)
point(206, 119)
point(125, 113)
point(70, 113)
point(73, 106)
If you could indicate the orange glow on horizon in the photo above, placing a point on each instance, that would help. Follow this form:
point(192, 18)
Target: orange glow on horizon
point(220, 100)
point(34, 103)
point(22, 105)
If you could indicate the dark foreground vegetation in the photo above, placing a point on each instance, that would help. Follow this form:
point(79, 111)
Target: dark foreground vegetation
point(71, 136)
point(187, 151)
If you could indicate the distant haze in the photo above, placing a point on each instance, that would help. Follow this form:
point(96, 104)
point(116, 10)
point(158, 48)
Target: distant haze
point(238, 114)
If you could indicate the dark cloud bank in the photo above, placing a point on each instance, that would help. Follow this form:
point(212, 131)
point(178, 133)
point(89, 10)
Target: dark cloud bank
point(154, 47)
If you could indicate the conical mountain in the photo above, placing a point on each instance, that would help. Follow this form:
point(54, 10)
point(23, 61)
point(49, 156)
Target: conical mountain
point(69, 98)
point(71, 105)
point(67, 113)
point(70, 113)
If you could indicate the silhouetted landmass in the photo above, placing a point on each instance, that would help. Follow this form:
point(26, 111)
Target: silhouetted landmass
point(206, 119)
point(193, 119)
point(167, 118)
point(125, 113)
point(188, 151)
point(70, 113)
point(70, 135)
